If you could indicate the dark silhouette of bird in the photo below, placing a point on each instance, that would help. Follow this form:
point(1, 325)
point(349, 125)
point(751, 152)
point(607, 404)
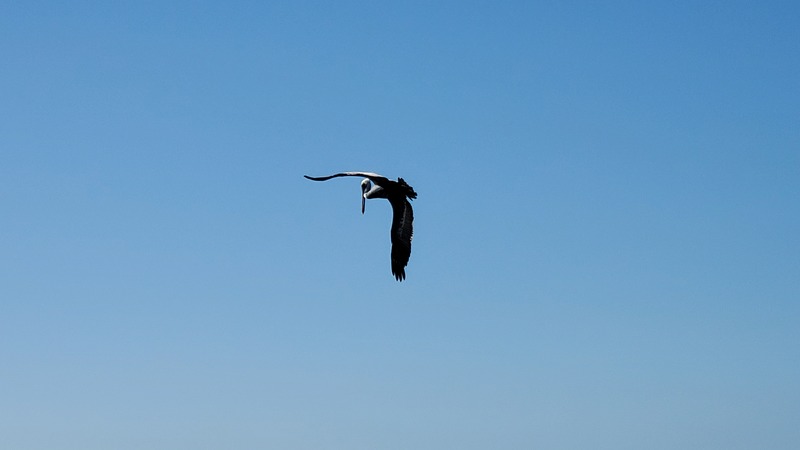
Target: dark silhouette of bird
point(398, 193)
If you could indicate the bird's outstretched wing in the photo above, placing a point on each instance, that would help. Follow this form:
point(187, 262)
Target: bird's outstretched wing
point(402, 233)
point(377, 179)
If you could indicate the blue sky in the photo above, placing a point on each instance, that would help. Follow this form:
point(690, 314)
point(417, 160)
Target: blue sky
point(606, 248)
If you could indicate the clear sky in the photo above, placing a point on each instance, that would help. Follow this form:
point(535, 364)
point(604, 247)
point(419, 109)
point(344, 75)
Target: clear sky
point(606, 251)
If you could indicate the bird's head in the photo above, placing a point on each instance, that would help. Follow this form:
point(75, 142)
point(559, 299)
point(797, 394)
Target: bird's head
point(366, 185)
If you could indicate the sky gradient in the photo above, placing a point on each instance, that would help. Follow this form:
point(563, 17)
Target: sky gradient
point(606, 249)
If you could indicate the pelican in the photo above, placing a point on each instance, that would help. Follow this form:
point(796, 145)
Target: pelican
point(402, 214)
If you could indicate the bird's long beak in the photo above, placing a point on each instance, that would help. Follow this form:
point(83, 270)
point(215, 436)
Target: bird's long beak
point(363, 204)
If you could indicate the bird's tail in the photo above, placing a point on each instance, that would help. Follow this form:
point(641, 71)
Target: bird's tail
point(409, 191)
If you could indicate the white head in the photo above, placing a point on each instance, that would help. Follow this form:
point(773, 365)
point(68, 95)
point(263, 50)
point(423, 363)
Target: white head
point(366, 185)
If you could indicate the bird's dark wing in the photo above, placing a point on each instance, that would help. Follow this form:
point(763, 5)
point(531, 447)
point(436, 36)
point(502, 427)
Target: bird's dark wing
point(402, 233)
point(377, 179)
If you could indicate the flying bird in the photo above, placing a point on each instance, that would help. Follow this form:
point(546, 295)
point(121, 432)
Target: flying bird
point(398, 193)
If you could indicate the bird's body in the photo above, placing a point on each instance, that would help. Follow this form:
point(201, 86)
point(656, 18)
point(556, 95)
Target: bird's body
point(398, 193)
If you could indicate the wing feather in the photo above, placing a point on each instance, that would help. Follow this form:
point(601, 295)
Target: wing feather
point(402, 234)
point(377, 179)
